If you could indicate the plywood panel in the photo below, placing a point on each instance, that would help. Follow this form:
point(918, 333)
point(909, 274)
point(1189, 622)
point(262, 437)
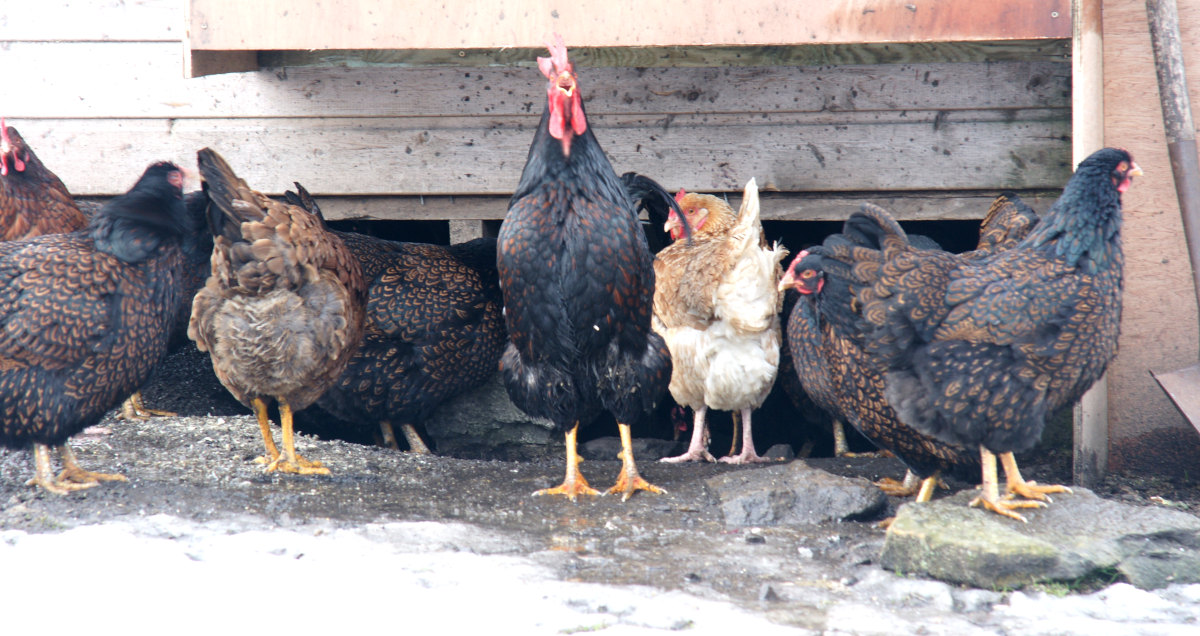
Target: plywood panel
point(1159, 322)
point(92, 20)
point(476, 155)
point(126, 80)
point(374, 24)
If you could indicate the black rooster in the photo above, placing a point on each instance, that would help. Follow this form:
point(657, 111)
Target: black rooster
point(578, 285)
point(85, 317)
point(980, 351)
point(433, 329)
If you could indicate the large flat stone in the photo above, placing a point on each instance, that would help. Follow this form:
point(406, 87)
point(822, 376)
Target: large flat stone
point(484, 424)
point(793, 494)
point(1077, 535)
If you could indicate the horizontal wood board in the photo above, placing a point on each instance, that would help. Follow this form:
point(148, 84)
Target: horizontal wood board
point(382, 24)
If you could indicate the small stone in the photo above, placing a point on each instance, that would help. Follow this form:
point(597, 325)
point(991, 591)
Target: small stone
point(793, 494)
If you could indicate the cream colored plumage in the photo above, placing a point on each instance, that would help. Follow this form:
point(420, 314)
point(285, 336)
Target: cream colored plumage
point(717, 305)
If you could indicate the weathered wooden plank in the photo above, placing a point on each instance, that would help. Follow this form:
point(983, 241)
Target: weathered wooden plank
point(475, 155)
point(380, 24)
point(92, 20)
point(127, 80)
point(911, 206)
point(689, 56)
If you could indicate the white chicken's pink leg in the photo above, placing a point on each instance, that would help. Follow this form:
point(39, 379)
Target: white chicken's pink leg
point(748, 454)
point(697, 449)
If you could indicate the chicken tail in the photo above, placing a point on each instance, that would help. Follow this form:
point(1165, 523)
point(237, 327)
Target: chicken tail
point(302, 199)
point(232, 200)
point(658, 203)
point(1009, 220)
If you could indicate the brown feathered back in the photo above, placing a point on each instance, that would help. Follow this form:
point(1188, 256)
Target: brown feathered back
point(33, 200)
point(283, 310)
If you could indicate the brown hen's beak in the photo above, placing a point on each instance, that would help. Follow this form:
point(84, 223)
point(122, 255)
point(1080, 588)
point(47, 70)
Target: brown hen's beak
point(786, 282)
point(673, 226)
point(1134, 170)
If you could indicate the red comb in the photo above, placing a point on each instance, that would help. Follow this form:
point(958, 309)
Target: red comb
point(557, 62)
point(679, 195)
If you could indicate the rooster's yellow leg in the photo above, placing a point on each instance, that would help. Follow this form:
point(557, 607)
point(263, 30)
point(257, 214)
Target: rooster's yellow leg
point(1018, 487)
point(264, 425)
point(573, 484)
point(289, 461)
point(72, 472)
point(134, 409)
point(990, 497)
point(629, 480)
point(389, 436)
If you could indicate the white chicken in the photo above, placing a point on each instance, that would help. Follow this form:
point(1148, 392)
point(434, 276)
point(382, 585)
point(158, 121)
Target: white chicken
point(717, 306)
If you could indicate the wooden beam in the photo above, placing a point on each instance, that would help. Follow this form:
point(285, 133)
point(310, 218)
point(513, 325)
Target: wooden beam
point(1087, 66)
point(92, 21)
point(452, 24)
point(200, 63)
point(642, 57)
point(151, 72)
point(789, 152)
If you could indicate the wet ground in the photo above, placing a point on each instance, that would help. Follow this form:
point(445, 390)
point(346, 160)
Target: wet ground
point(197, 471)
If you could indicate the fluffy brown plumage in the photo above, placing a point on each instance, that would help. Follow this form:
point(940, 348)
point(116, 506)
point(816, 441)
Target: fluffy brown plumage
point(33, 200)
point(282, 313)
point(85, 316)
point(979, 351)
point(717, 307)
point(433, 330)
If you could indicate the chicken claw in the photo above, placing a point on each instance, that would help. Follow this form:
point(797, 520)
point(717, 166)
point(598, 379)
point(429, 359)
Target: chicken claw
point(629, 479)
point(573, 484)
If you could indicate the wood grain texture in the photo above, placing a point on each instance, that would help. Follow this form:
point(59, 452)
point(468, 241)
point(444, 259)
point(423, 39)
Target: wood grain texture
point(78, 80)
point(1159, 322)
point(93, 20)
point(815, 54)
point(375, 24)
point(474, 155)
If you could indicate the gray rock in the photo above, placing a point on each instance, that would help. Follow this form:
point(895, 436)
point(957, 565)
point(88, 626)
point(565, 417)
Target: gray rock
point(1078, 535)
point(484, 424)
point(792, 494)
point(644, 449)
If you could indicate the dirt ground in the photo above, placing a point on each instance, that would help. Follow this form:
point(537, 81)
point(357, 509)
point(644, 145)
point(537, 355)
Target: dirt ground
point(199, 466)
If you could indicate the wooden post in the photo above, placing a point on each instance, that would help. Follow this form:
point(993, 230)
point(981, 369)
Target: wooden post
point(1087, 134)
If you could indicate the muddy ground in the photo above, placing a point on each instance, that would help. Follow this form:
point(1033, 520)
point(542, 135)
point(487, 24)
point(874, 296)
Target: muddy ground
point(199, 466)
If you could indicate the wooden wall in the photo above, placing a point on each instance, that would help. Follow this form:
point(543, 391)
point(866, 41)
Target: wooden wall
point(1159, 325)
point(932, 131)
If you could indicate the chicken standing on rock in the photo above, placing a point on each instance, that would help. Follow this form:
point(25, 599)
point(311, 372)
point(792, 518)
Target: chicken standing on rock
point(282, 314)
point(85, 317)
point(717, 305)
point(433, 330)
point(980, 351)
point(578, 285)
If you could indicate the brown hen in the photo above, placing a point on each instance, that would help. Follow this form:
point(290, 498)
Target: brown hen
point(282, 313)
point(85, 317)
point(33, 200)
point(717, 306)
point(433, 330)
